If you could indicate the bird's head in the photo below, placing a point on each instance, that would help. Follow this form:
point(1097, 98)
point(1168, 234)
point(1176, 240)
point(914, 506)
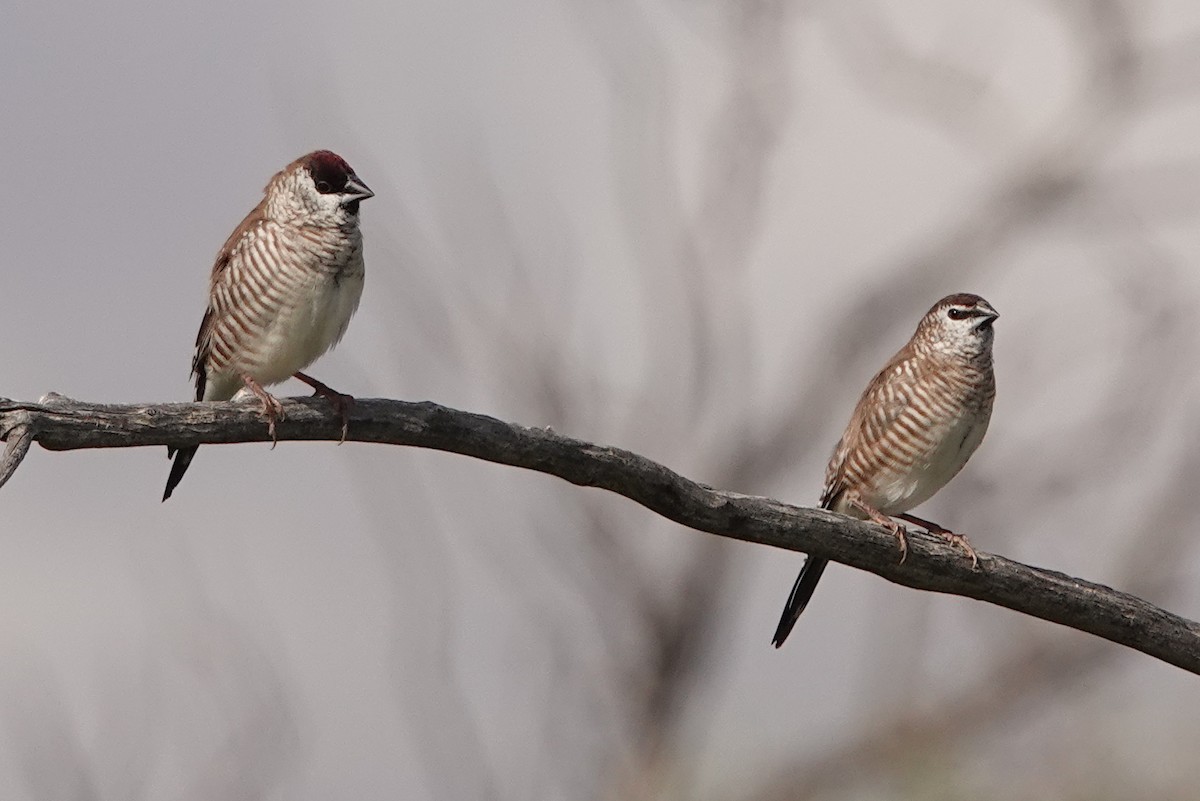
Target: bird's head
point(318, 189)
point(959, 324)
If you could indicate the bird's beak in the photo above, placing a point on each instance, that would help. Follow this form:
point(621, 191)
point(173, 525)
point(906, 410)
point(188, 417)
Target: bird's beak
point(356, 189)
point(988, 315)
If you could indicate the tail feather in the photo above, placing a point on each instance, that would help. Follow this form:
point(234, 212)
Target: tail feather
point(802, 591)
point(183, 458)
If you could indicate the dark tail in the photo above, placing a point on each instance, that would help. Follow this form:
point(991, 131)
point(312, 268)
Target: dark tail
point(802, 591)
point(183, 458)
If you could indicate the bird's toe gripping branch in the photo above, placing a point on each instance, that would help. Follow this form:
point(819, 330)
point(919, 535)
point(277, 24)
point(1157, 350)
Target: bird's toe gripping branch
point(876, 516)
point(342, 403)
point(957, 540)
point(272, 409)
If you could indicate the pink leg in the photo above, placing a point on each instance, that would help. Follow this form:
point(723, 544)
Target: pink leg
point(891, 525)
point(272, 408)
point(341, 403)
point(946, 534)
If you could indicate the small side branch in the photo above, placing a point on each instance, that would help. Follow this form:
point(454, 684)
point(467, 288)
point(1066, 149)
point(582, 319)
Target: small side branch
point(18, 438)
point(62, 424)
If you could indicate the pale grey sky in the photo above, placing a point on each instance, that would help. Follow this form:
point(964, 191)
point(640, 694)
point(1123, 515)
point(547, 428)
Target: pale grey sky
point(657, 224)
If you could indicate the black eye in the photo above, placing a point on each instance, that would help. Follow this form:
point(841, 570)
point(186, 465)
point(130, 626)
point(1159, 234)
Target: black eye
point(324, 188)
point(958, 314)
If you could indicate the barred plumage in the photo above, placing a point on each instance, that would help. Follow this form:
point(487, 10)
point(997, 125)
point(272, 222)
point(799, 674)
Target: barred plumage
point(283, 289)
point(915, 426)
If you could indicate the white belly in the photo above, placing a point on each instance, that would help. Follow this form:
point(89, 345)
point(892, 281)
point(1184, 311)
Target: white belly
point(307, 324)
point(895, 493)
point(305, 330)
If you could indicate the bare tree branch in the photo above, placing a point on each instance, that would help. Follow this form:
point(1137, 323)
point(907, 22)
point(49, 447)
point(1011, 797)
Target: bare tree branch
point(59, 423)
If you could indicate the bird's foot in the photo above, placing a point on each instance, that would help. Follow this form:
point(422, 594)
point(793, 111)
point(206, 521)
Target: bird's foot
point(956, 540)
point(272, 409)
point(891, 525)
point(342, 403)
point(960, 541)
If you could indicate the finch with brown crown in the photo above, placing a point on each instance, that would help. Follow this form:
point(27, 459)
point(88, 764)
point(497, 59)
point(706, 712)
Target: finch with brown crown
point(915, 426)
point(283, 290)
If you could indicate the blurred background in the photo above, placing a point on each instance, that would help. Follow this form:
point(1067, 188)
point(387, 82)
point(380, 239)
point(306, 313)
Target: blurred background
point(690, 228)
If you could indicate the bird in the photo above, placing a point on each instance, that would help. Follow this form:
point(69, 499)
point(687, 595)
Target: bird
point(915, 426)
point(282, 291)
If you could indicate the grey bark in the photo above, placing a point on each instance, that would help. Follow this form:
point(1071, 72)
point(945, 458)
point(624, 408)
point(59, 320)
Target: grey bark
point(58, 423)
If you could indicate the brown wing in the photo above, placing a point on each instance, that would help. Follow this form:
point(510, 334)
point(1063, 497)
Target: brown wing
point(882, 403)
point(218, 297)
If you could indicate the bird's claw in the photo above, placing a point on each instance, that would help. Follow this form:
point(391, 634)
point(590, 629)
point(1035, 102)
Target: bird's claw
point(956, 540)
point(960, 541)
point(901, 538)
point(272, 408)
point(342, 403)
point(878, 517)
